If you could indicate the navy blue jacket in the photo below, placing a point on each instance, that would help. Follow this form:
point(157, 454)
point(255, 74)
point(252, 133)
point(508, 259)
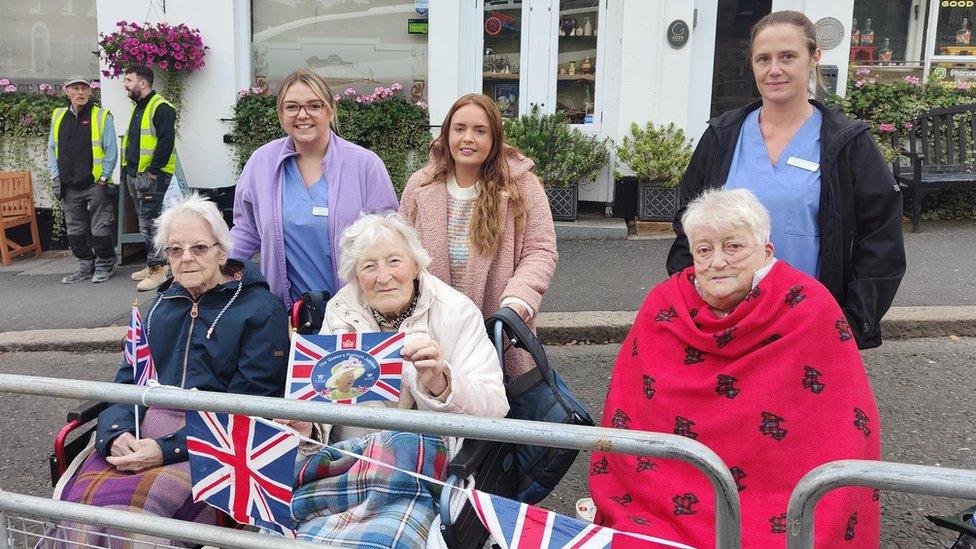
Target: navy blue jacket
point(245, 353)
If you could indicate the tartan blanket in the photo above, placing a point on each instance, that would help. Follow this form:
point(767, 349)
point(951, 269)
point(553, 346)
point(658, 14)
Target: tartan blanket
point(162, 491)
point(342, 500)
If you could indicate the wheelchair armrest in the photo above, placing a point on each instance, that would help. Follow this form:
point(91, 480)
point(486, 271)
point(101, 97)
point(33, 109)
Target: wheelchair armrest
point(87, 411)
point(469, 458)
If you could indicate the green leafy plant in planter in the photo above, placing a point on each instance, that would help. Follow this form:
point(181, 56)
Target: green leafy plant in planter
point(658, 155)
point(563, 155)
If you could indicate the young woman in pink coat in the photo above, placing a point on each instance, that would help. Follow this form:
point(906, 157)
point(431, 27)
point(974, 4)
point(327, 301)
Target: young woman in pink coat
point(483, 216)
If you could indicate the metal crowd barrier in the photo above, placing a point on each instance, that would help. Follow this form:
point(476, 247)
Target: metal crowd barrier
point(898, 477)
point(128, 521)
point(727, 511)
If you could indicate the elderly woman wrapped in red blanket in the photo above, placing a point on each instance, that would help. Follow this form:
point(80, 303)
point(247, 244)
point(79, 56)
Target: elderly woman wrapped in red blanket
point(754, 359)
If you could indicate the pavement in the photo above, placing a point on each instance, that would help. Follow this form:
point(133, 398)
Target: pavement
point(598, 286)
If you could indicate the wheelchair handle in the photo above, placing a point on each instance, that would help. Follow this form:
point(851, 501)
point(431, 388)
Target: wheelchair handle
point(446, 519)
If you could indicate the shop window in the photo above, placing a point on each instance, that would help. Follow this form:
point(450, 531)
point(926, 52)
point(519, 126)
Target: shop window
point(954, 35)
point(32, 42)
point(359, 45)
point(880, 32)
point(503, 46)
point(576, 67)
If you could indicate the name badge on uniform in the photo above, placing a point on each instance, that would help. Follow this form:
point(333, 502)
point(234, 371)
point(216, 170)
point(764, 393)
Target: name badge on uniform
point(803, 164)
point(320, 211)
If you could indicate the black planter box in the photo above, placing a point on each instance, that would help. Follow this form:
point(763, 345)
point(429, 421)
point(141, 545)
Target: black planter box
point(656, 203)
point(563, 201)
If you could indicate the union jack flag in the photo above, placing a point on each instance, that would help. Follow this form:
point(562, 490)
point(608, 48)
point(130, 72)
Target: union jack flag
point(244, 466)
point(137, 352)
point(515, 525)
point(314, 359)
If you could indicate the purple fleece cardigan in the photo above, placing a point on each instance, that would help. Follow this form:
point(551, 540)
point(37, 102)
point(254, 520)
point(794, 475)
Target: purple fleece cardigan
point(358, 182)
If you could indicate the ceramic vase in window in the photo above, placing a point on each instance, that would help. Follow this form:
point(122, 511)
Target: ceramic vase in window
point(855, 34)
point(964, 35)
point(867, 35)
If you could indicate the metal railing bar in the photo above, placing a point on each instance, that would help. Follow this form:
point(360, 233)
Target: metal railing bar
point(897, 477)
point(145, 523)
point(578, 437)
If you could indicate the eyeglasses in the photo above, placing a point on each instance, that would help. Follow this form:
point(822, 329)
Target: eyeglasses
point(176, 252)
point(312, 108)
point(732, 252)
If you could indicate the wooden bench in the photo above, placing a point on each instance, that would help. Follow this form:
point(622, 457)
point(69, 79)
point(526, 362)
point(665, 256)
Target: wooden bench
point(942, 151)
point(17, 208)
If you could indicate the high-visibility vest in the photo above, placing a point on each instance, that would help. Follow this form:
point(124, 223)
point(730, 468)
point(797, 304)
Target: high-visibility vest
point(147, 137)
point(98, 116)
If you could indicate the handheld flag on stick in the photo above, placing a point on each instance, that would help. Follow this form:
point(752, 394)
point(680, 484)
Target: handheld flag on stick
point(244, 466)
point(137, 354)
point(345, 368)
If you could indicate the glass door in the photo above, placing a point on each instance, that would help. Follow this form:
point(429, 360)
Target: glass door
point(501, 68)
point(576, 66)
point(732, 82)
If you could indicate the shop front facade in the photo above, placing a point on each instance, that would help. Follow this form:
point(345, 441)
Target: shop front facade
point(604, 63)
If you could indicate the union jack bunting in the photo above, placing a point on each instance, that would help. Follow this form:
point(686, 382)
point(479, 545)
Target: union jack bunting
point(345, 368)
point(137, 352)
point(515, 525)
point(245, 467)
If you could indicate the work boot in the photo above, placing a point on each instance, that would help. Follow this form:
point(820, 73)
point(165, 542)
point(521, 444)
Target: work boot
point(102, 274)
point(155, 277)
point(141, 274)
point(83, 272)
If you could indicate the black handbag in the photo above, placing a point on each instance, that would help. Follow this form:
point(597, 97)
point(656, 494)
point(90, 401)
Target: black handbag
point(538, 395)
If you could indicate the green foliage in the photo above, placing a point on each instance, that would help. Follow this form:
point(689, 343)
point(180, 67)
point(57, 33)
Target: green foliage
point(26, 113)
point(563, 155)
point(392, 127)
point(656, 153)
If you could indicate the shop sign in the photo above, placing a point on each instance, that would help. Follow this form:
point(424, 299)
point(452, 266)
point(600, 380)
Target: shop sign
point(678, 34)
point(953, 72)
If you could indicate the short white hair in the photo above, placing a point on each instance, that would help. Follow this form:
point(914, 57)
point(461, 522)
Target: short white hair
point(724, 210)
point(371, 228)
point(193, 204)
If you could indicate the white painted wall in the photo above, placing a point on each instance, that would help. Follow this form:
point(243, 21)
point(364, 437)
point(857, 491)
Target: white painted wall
point(655, 78)
point(211, 92)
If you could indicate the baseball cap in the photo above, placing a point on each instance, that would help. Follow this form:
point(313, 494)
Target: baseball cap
point(75, 79)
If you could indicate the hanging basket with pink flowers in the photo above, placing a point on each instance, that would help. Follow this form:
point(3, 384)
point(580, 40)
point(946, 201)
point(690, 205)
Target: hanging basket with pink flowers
point(173, 51)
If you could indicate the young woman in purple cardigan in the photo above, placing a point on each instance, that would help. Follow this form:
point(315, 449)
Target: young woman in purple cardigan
point(296, 195)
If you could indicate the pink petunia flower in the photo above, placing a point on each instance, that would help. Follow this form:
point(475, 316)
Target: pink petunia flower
point(349, 92)
point(10, 88)
point(913, 80)
point(858, 83)
point(4, 82)
point(909, 125)
point(861, 71)
point(337, 97)
point(164, 64)
point(422, 104)
point(396, 86)
point(45, 87)
point(256, 90)
point(886, 128)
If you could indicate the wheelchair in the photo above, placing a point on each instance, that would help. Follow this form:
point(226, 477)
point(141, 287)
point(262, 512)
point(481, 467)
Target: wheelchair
point(490, 464)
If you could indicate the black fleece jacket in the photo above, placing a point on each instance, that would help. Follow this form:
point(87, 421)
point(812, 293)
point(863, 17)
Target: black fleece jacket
point(862, 253)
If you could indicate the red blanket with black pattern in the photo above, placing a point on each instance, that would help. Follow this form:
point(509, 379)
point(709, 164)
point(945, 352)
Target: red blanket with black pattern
point(775, 388)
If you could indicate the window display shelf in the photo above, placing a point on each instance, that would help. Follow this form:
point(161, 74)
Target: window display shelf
point(500, 75)
point(586, 77)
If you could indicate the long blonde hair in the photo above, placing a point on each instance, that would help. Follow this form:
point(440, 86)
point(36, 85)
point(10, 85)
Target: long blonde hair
point(496, 179)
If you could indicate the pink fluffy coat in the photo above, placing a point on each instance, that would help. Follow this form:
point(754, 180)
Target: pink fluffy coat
point(525, 261)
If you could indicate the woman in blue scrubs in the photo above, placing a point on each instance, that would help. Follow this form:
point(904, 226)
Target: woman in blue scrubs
point(835, 208)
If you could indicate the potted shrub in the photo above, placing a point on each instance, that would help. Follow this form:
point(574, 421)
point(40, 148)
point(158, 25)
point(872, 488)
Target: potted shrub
point(563, 156)
point(658, 156)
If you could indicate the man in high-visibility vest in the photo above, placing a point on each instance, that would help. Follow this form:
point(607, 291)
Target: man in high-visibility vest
point(148, 163)
point(81, 154)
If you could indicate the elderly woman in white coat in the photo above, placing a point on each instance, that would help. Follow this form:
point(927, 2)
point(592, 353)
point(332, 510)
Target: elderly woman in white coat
point(449, 365)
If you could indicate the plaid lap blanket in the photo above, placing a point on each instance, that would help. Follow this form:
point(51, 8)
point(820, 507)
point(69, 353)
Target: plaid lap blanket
point(163, 491)
point(342, 500)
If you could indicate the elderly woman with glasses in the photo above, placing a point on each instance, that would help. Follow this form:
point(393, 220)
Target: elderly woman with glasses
point(296, 195)
point(214, 327)
point(449, 366)
point(754, 359)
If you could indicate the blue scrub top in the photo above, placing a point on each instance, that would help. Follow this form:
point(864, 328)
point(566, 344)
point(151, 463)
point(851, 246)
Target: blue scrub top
point(308, 247)
point(791, 193)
